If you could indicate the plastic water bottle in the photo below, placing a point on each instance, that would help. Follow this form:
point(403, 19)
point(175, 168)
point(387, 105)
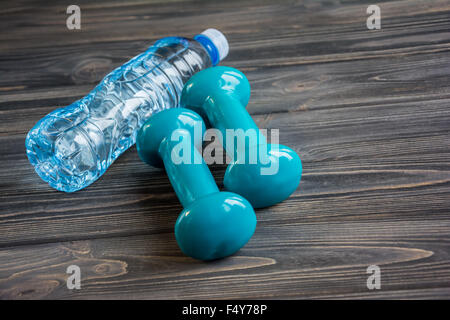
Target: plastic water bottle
point(73, 146)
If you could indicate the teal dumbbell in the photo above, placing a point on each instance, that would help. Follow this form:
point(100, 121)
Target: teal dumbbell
point(213, 224)
point(221, 94)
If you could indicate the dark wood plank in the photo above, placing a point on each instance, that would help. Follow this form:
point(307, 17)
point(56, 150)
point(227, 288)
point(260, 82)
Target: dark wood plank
point(279, 262)
point(366, 110)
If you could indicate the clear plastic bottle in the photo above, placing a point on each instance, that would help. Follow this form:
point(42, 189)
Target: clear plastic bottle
point(73, 146)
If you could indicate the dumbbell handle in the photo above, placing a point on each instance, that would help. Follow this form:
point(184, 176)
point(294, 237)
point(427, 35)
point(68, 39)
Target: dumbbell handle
point(189, 180)
point(225, 111)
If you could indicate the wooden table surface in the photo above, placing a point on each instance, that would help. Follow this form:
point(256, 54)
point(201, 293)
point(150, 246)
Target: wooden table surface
point(367, 110)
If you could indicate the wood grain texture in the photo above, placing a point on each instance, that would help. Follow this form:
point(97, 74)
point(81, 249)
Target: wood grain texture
point(368, 112)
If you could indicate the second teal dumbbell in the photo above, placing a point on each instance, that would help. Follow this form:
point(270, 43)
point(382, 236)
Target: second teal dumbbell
point(213, 224)
point(221, 94)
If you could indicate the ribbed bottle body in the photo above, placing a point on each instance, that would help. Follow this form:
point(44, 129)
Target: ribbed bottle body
point(73, 146)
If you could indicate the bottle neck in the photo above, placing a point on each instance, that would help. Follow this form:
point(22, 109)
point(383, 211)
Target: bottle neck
point(210, 48)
